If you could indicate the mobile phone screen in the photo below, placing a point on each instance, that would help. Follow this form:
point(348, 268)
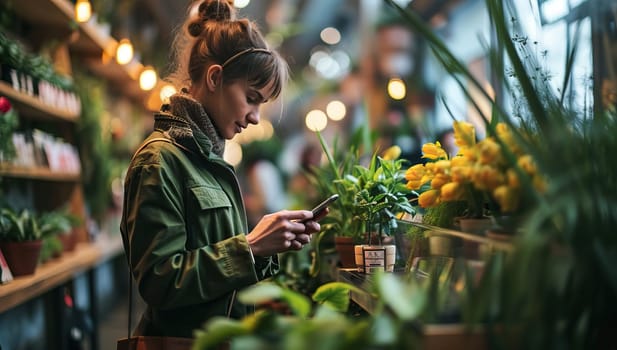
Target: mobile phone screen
point(323, 205)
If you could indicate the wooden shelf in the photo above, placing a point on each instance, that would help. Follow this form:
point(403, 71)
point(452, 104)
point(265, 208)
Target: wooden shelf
point(56, 272)
point(89, 43)
point(38, 173)
point(30, 106)
point(496, 244)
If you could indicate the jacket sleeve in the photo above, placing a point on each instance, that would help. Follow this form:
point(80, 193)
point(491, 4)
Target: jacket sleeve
point(167, 274)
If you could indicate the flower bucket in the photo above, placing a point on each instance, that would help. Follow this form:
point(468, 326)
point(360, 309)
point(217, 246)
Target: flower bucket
point(373, 258)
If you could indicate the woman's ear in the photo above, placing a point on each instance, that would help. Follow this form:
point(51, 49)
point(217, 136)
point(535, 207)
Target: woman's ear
point(214, 77)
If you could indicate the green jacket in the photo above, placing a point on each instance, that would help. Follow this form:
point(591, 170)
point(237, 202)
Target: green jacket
point(183, 228)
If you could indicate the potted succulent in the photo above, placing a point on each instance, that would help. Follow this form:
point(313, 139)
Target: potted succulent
point(20, 240)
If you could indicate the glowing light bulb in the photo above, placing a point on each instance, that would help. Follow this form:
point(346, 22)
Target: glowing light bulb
point(336, 110)
point(124, 51)
point(83, 10)
point(166, 92)
point(147, 78)
point(397, 89)
point(316, 120)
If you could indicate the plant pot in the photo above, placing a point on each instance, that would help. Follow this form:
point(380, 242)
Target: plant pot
point(69, 241)
point(506, 224)
point(476, 226)
point(439, 244)
point(373, 258)
point(345, 248)
point(22, 257)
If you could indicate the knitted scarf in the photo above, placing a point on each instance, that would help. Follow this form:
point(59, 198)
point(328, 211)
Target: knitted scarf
point(183, 105)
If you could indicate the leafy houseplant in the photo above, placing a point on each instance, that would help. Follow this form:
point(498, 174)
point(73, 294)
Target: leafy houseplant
point(330, 178)
point(57, 227)
point(323, 322)
point(20, 240)
point(381, 197)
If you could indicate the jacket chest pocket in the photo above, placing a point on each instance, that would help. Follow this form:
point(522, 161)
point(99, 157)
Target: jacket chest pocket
point(208, 216)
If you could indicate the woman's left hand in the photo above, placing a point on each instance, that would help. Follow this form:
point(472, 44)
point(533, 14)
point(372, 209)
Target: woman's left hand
point(282, 231)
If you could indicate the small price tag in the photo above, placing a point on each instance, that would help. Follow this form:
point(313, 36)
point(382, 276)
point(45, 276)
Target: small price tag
point(374, 259)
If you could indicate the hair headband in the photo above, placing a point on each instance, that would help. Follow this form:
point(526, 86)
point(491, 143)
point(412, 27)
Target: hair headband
point(249, 50)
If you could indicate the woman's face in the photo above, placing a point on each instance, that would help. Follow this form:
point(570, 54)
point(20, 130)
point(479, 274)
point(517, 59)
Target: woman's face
point(236, 105)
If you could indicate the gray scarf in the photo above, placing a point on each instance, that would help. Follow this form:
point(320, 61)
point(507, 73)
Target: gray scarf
point(184, 106)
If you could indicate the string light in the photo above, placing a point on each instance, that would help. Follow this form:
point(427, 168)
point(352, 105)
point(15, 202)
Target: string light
point(124, 52)
point(147, 78)
point(316, 120)
point(83, 10)
point(166, 92)
point(336, 110)
point(397, 89)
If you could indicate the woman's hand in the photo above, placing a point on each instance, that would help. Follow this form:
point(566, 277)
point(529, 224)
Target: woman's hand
point(282, 231)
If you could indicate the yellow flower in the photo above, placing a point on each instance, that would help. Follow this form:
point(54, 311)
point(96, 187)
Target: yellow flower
point(527, 164)
point(442, 166)
point(428, 198)
point(461, 169)
point(512, 178)
point(464, 134)
point(433, 151)
point(486, 177)
point(505, 135)
point(490, 152)
point(392, 153)
point(507, 198)
point(415, 176)
point(439, 180)
point(452, 191)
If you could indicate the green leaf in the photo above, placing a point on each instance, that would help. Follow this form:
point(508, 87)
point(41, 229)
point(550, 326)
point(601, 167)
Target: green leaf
point(260, 293)
point(334, 295)
point(407, 300)
point(219, 330)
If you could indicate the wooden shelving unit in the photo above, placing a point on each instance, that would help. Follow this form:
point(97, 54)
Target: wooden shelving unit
point(59, 271)
point(30, 106)
point(37, 173)
point(86, 41)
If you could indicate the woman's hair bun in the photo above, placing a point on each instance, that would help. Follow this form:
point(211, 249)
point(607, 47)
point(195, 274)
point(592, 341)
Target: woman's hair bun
point(211, 10)
point(216, 10)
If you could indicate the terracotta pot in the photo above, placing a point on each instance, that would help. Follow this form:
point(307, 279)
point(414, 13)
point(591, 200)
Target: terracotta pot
point(22, 257)
point(344, 248)
point(69, 241)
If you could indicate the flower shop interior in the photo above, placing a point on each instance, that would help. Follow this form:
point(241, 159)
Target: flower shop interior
point(470, 143)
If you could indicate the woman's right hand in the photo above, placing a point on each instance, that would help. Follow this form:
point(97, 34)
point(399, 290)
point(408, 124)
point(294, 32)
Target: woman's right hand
point(282, 231)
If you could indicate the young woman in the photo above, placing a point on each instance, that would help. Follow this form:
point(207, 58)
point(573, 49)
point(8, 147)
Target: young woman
point(184, 224)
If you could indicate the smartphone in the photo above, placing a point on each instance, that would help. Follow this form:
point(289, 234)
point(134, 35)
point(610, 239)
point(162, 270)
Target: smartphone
point(323, 205)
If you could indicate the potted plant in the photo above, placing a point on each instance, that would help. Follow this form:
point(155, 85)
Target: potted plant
point(381, 197)
point(57, 232)
point(20, 240)
point(330, 178)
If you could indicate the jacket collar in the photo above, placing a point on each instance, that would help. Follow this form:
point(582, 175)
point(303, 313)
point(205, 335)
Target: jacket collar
point(185, 122)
